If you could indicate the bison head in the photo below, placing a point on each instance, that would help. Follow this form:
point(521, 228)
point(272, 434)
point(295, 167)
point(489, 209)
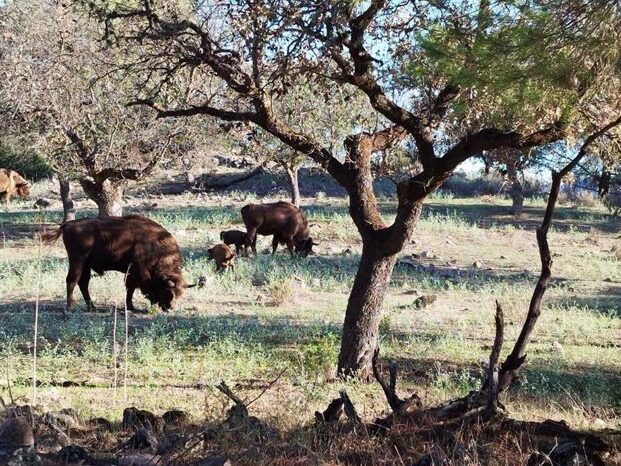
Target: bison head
point(166, 292)
point(22, 190)
point(21, 185)
point(304, 247)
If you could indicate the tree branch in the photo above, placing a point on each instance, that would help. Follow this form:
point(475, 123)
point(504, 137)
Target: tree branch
point(510, 367)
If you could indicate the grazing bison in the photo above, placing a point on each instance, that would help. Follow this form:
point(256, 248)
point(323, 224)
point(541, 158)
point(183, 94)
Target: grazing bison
point(133, 245)
point(236, 237)
point(281, 219)
point(223, 256)
point(11, 183)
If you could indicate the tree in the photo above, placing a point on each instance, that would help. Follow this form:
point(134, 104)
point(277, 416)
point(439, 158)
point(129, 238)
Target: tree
point(68, 91)
point(249, 55)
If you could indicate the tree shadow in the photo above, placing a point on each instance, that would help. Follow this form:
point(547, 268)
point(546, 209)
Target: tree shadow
point(606, 301)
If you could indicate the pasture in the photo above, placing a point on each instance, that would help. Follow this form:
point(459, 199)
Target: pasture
point(277, 317)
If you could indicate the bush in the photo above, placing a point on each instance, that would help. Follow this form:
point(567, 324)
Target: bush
point(463, 185)
point(27, 162)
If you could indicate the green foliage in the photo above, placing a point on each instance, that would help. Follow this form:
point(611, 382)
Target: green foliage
point(27, 162)
point(519, 63)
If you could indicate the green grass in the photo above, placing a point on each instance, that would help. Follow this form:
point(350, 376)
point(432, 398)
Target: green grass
point(244, 328)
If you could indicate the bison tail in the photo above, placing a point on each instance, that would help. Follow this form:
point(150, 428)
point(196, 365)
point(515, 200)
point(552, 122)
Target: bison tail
point(48, 237)
point(221, 236)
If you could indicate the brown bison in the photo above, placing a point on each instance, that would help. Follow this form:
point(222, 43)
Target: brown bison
point(236, 237)
point(11, 183)
point(281, 219)
point(223, 256)
point(133, 245)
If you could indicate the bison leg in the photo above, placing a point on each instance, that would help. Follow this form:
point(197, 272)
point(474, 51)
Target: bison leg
point(290, 246)
point(83, 284)
point(275, 242)
point(73, 276)
point(252, 240)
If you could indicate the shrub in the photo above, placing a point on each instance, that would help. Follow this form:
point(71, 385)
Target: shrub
point(279, 291)
point(27, 162)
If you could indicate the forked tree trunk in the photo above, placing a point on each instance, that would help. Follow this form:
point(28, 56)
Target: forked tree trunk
point(364, 309)
point(294, 186)
point(108, 195)
point(517, 190)
point(65, 197)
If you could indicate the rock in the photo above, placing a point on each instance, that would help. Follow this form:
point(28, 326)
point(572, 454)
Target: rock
point(432, 459)
point(347, 252)
point(138, 459)
point(427, 255)
point(72, 454)
point(143, 439)
point(558, 347)
point(218, 460)
point(478, 265)
point(25, 457)
point(16, 433)
point(41, 203)
point(176, 417)
point(425, 300)
point(63, 420)
point(100, 423)
point(134, 418)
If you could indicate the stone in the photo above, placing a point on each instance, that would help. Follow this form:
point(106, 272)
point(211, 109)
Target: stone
point(100, 423)
point(41, 203)
point(72, 454)
point(144, 439)
point(425, 300)
point(176, 417)
point(138, 459)
point(25, 457)
point(134, 418)
point(478, 265)
point(16, 433)
point(218, 460)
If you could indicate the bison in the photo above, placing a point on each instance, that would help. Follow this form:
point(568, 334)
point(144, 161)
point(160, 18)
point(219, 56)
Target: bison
point(281, 219)
point(11, 183)
point(236, 237)
point(133, 245)
point(223, 256)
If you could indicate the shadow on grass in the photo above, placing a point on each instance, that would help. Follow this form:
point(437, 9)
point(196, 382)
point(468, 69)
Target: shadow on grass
point(607, 301)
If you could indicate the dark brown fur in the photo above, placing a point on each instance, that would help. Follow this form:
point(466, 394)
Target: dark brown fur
point(237, 237)
point(133, 245)
point(281, 219)
point(223, 256)
point(11, 183)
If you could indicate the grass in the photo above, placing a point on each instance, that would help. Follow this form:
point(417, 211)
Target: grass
point(276, 313)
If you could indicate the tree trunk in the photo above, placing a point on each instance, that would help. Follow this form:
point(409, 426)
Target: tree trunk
point(360, 330)
point(517, 190)
point(65, 197)
point(294, 187)
point(108, 195)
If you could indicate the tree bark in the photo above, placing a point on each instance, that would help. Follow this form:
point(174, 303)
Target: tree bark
point(294, 186)
point(363, 313)
point(107, 194)
point(517, 190)
point(67, 200)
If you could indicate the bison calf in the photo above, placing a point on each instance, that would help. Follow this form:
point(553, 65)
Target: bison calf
point(237, 237)
point(223, 256)
point(144, 251)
